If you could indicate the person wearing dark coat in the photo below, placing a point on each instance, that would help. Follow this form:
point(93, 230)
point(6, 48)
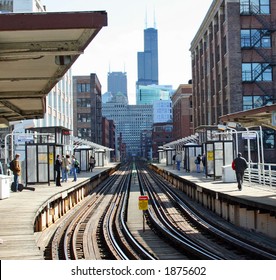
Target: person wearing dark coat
point(239, 165)
point(58, 164)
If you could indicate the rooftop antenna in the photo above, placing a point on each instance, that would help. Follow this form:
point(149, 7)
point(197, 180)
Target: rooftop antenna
point(146, 19)
point(154, 20)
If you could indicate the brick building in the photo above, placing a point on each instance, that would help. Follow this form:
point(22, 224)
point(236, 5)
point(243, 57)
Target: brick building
point(87, 108)
point(233, 61)
point(182, 112)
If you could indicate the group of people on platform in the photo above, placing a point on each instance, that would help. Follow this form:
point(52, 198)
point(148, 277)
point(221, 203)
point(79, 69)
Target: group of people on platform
point(239, 165)
point(177, 158)
point(69, 166)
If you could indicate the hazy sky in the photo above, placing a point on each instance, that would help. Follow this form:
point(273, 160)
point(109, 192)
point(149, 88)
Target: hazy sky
point(115, 47)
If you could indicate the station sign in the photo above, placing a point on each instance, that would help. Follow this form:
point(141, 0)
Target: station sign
point(249, 135)
point(143, 202)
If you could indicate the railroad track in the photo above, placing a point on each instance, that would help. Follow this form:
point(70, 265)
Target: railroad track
point(197, 224)
point(78, 237)
point(97, 228)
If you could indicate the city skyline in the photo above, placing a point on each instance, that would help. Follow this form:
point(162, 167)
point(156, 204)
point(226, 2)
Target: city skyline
point(115, 47)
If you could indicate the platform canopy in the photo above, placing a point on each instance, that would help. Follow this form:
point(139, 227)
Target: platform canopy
point(262, 116)
point(36, 50)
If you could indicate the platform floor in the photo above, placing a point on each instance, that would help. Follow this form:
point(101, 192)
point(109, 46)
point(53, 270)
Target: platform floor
point(17, 239)
point(17, 212)
point(256, 193)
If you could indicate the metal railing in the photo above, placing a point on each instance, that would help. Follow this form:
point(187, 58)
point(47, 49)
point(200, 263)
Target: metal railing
point(263, 174)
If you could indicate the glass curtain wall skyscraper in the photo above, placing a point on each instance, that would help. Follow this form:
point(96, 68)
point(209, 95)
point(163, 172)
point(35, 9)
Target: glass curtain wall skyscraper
point(148, 59)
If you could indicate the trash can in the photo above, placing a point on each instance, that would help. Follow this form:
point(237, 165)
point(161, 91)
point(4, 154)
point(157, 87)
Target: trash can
point(5, 183)
point(228, 174)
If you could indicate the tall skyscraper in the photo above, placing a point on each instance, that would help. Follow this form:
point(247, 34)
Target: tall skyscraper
point(117, 83)
point(148, 59)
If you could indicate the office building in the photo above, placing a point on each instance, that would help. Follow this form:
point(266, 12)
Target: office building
point(162, 133)
point(148, 59)
point(21, 6)
point(117, 83)
point(87, 108)
point(182, 111)
point(129, 121)
point(162, 111)
point(149, 94)
point(233, 61)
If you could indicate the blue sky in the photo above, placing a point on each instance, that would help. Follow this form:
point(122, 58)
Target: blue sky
point(115, 47)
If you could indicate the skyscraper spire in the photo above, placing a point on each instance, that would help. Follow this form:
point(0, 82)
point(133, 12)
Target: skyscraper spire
point(154, 19)
point(146, 19)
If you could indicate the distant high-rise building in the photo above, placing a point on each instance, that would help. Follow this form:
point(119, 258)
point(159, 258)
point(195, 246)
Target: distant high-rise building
point(117, 83)
point(149, 94)
point(20, 6)
point(148, 59)
point(129, 121)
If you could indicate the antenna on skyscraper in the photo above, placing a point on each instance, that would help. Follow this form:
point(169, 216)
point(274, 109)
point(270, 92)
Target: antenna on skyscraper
point(154, 20)
point(146, 19)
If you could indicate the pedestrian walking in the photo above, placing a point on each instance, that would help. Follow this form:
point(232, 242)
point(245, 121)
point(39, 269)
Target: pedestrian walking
point(178, 159)
point(239, 165)
point(58, 164)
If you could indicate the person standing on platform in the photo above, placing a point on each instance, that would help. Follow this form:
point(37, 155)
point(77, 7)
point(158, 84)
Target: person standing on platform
point(197, 162)
point(16, 169)
point(178, 159)
point(58, 164)
point(239, 165)
point(173, 159)
point(204, 163)
point(65, 167)
point(92, 162)
point(73, 168)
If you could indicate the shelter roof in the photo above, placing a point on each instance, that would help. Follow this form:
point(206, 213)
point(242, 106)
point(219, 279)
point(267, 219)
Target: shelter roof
point(261, 116)
point(36, 50)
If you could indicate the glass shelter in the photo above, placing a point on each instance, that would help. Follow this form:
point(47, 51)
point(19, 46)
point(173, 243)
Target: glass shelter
point(41, 152)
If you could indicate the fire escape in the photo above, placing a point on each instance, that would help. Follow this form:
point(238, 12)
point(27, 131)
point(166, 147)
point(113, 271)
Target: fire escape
point(266, 53)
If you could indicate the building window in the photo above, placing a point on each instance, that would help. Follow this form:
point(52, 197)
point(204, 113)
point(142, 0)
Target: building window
point(83, 87)
point(256, 72)
point(255, 38)
point(83, 102)
point(84, 133)
point(249, 7)
point(256, 101)
point(84, 117)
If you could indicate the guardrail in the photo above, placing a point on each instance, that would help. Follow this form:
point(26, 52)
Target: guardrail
point(264, 174)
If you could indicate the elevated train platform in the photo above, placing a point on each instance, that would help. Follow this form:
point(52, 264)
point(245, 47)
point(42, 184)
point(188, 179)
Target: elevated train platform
point(25, 214)
point(253, 208)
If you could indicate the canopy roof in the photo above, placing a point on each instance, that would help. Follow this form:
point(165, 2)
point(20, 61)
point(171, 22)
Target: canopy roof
point(261, 116)
point(36, 50)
